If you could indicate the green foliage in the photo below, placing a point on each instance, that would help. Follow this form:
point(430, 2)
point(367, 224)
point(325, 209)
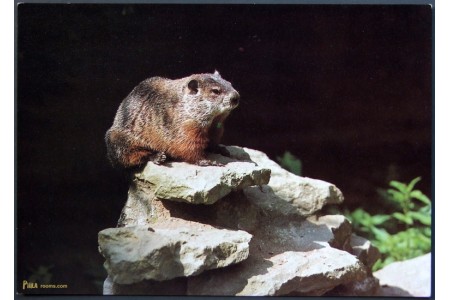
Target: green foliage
point(403, 234)
point(290, 162)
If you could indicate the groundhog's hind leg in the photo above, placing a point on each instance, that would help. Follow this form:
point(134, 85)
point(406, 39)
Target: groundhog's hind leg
point(124, 151)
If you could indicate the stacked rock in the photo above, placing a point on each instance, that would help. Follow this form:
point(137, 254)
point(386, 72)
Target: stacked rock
point(246, 228)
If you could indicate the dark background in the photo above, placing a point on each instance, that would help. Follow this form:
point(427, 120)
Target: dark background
point(347, 89)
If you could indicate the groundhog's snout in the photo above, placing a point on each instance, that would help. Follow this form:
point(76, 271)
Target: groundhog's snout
point(234, 99)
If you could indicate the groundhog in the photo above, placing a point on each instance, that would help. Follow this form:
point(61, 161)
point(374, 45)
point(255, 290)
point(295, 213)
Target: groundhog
point(178, 119)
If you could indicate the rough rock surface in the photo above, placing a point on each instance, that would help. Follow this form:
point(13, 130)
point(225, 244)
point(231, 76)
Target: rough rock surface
point(292, 272)
point(293, 251)
point(180, 181)
point(364, 250)
point(368, 286)
point(138, 253)
point(290, 256)
point(406, 278)
point(368, 255)
point(307, 196)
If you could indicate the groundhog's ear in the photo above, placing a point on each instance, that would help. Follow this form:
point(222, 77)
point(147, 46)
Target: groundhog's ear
point(193, 86)
point(216, 73)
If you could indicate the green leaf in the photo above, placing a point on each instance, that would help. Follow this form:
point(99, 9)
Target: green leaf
point(426, 209)
point(380, 234)
point(382, 193)
point(399, 186)
point(290, 162)
point(425, 219)
point(360, 216)
point(427, 232)
point(397, 196)
point(364, 229)
point(403, 218)
point(413, 183)
point(389, 260)
point(378, 265)
point(424, 241)
point(380, 219)
point(416, 194)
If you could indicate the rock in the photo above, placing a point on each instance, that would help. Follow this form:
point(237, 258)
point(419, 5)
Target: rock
point(290, 255)
point(406, 278)
point(173, 287)
point(108, 287)
point(306, 195)
point(180, 181)
point(366, 287)
point(135, 253)
point(391, 291)
point(304, 273)
point(292, 251)
point(289, 273)
point(367, 254)
point(340, 228)
point(285, 195)
point(140, 253)
point(364, 250)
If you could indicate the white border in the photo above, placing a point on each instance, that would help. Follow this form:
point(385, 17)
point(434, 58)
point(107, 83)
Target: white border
point(7, 146)
point(442, 149)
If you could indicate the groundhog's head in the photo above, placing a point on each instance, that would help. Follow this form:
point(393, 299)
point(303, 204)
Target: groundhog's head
point(207, 96)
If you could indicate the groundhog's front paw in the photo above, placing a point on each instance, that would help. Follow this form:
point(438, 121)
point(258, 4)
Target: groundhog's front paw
point(219, 149)
point(207, 162)
point(223, 151)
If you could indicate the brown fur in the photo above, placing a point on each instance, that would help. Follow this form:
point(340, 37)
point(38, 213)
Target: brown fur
point(178, 118)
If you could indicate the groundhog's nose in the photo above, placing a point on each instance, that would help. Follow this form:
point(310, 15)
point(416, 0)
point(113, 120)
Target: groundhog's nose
point(234, 99)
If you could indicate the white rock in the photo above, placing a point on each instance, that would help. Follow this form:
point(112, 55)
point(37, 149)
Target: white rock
point(180, 181)
point(406, 278)
point(287, 256)
point(140, 253)
point(292, 251)
point(310, 273)
point(305, 194)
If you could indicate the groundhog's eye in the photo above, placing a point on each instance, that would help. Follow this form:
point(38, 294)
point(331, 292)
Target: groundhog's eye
point(216, 91)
